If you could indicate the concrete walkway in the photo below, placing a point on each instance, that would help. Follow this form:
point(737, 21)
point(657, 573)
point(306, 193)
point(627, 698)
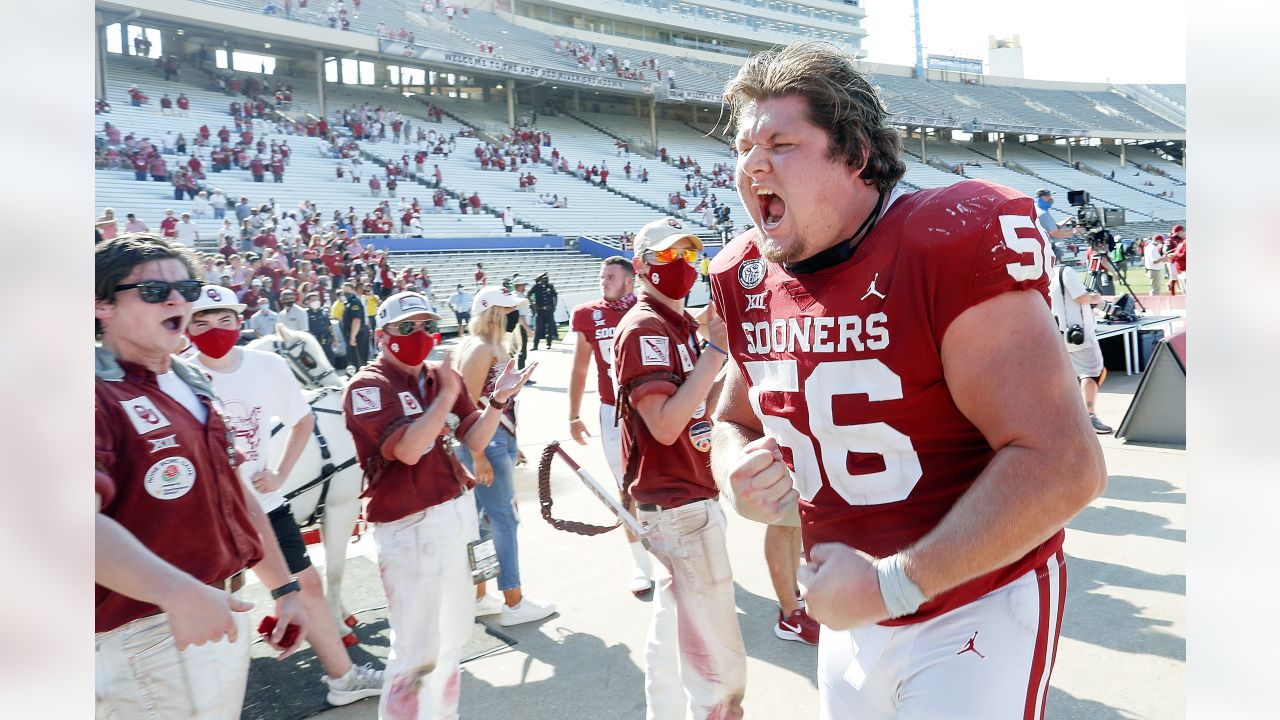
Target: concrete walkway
point(1122, 654)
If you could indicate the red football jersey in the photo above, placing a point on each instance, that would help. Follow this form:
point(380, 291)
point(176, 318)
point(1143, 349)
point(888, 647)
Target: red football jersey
point(845, 371)
point(597, 321)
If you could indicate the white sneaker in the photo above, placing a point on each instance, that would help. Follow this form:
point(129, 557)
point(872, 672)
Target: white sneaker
point(527, 611)
point(361, 682)
point(488, 605)
point(641, 583)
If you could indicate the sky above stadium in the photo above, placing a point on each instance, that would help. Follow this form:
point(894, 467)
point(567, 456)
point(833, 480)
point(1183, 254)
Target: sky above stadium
point(1121, 41)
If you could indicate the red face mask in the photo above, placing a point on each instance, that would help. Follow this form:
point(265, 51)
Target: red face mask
point(413, 348)
point(674, 279)
point(216, 342)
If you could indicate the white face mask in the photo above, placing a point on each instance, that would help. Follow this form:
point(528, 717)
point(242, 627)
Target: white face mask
point(314, 304)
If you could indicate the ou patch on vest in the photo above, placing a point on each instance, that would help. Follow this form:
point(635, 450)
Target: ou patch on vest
point(144, 414)
point(700, 436)
point(365, 400)
point(409, 404)
point(170, 478)
point(655, 350)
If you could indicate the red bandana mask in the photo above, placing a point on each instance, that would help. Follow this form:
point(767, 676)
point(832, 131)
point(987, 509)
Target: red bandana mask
point(622, 304)
point(216, 342)
point(413, 348)
point(674, 279)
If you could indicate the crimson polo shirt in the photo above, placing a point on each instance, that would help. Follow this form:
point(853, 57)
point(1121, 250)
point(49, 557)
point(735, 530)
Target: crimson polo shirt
point(652, 344)
point(167, 479)
point(379, 404)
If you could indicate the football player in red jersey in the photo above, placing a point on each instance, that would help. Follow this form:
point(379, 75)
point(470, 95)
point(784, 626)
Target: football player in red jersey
point(896, 372)
point(595, 322)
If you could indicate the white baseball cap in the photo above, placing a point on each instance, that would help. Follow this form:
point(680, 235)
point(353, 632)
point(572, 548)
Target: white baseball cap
point(216, 297)
point(495, 296)
point(662, 234)
point(403, 305)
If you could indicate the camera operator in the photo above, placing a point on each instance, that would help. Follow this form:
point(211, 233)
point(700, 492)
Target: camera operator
point(1070, 300)
point(1044, 201)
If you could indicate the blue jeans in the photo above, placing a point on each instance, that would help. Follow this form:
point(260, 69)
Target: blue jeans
point(497, 505)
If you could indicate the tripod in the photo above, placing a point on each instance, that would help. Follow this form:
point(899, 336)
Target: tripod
point(1101, 262)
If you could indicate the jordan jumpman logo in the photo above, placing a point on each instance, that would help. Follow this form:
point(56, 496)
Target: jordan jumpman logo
point(871, 290)
point(968, 647)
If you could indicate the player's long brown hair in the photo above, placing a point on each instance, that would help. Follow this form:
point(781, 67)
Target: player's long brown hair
point(840, 100)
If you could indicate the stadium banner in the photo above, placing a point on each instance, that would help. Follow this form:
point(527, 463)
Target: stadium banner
point(679, 95)
point(416, 243)
point(507, 67)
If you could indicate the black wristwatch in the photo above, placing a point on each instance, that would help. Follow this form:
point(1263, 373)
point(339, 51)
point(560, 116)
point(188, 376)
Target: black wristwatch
point(290, 587)
point(493, 401)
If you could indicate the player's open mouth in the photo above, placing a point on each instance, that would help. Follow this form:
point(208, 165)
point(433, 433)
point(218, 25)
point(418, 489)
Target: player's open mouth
point(173, 323)
point(772, 208)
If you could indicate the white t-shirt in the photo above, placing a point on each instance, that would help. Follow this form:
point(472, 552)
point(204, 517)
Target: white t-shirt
point(260, 391)
point(1151, 257)
point(1066, 310)
point(186, 232)
point(174, 387)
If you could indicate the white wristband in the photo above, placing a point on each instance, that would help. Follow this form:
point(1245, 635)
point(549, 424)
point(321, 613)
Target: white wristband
point(901, 595)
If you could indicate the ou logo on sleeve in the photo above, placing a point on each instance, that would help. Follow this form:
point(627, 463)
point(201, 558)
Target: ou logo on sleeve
point(170, 478)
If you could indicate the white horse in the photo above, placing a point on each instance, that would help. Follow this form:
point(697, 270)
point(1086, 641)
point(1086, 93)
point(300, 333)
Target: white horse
point(326, 481)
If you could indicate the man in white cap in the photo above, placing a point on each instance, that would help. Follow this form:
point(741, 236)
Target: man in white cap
point(694, 660)
point(405, 414)
point(256, 387)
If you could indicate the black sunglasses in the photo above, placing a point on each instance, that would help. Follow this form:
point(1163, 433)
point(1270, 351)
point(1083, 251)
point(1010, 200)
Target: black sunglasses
point(157, 291)
point(407, 327)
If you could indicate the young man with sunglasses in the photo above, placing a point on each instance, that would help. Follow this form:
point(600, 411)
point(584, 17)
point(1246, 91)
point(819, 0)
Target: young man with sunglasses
point(256, 388)
point(404, 415)
point(175, 527)
point(694, 658)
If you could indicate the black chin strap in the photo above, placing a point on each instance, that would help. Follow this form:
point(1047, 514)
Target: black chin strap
point(841, 251)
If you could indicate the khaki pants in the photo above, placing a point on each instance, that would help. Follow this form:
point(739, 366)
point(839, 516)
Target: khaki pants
point(694, 657)
point(431, 604)
point(140, 673)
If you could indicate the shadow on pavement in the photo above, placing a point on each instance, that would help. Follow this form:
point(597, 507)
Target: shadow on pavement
point(1062, 705)
point(1141, 489)
point(1122, 521)
point(587, 679)
point(759, 618)
point(1099, 619)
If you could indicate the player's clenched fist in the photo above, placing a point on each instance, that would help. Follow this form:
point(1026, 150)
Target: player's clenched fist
point(761, 482)
point(841, 587)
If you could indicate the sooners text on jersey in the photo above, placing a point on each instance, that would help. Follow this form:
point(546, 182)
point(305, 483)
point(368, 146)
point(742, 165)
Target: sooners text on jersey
point(845, 372)
point(598, 322)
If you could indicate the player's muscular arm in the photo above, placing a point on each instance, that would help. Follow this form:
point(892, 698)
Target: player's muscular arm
point(747, 465)
point(1004, 363)
point(577, 385)
point(667, 415)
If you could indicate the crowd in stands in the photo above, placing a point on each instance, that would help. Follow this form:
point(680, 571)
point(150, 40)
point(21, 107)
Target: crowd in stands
point(593, 60)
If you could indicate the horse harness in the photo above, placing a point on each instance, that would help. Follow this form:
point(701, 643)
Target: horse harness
point(327, 470)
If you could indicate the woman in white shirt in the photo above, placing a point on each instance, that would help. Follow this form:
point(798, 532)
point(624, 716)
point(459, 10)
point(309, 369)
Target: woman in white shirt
point(200, 204)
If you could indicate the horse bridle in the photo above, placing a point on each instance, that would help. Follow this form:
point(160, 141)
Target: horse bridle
point(296, 350)
point(327, 470)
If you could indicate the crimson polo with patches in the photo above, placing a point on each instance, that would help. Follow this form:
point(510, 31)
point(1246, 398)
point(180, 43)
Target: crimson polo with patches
point(654, 349)
point(168, 479)
point(844, 367)
point(379, 404)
